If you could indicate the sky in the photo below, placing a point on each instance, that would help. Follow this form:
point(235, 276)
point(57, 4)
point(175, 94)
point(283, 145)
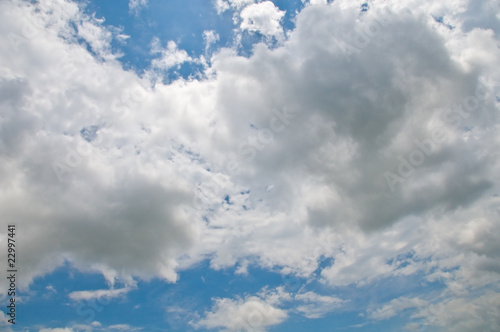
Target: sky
point(249, 165)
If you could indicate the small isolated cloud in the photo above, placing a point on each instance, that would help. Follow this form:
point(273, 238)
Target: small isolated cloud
point(264, 18)
point(250, 314)
point(170, 56)
point(255, 313)
point(97, 294)
point(51, 289)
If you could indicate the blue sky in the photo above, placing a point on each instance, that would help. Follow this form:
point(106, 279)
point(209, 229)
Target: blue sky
point(248, 165)
point(145, 306)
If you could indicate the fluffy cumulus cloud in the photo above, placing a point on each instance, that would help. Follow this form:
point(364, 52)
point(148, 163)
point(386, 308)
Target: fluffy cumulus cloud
point(368, 136)
point(267, 308)
point(263, 17)
point(250, 314)
point(127, 215)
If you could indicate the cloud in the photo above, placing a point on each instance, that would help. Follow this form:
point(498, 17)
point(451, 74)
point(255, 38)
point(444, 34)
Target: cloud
point(97, 294)
point(276, 159)
point(463, 314)
point(315, 305)
point(210, 37)
point(317, 2)
point(4, 322)
point(170, 56)
point(249, 314)
point(51, 288)
point(124, 327)
point(223, 5)
point(135, 6)
point(263, 17)
point(94, 326)
point(395, 306)
point(118, 227)
point(255, 313)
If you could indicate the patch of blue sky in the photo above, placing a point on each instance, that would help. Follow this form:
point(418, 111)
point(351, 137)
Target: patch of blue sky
point(182, 22)
point(292, 7)
point(157, 305)
point(146, 306)
point(440, 20)
point(47, 301)
point(89, 133)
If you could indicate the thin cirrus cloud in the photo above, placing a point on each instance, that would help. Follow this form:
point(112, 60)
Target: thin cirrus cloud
point(367, 139)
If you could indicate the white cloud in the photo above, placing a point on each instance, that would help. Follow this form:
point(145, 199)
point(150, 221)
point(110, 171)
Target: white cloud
point(223, 5)
point(97, 294)
point(317, 2)
point(98, 38)
point(135, 6)
point(317, 306)
point(124, 327)
point(249, 314)
point(254, 313)
point(463, 314)
point(170, 57)
point(4, 322)
point(210, 37)
point(88, 93)
point(263, 17)
point(395, 307)
point(51, 289)
point(94, 326)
